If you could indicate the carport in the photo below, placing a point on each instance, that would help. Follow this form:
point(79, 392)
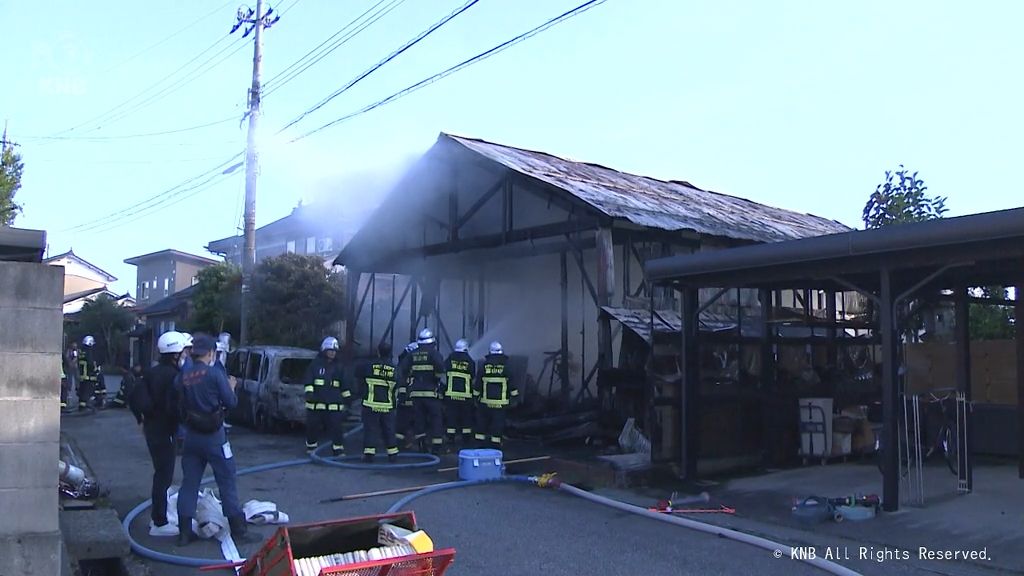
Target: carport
point(891, 267)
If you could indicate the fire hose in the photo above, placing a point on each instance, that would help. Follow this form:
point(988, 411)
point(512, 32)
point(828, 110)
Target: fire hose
point(545, 481)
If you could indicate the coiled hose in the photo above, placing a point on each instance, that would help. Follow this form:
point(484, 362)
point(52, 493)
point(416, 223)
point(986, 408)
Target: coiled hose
point(544, 481)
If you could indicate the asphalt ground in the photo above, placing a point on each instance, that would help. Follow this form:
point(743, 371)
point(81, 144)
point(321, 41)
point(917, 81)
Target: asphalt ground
point(496, 529)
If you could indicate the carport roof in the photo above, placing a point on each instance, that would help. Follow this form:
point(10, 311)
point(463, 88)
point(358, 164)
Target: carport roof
point(985, 248)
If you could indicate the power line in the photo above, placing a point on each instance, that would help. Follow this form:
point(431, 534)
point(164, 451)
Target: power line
point(143, 93)
point(293, 70)
point(143, 135)
point(383, 62)
point(156, 199)
point(167, 38)
point(452, 70)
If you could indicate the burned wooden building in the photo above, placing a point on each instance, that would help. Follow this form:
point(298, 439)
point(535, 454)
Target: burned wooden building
point(545, 254)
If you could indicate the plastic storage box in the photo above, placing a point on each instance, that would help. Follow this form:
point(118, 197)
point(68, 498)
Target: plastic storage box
point(480, 464)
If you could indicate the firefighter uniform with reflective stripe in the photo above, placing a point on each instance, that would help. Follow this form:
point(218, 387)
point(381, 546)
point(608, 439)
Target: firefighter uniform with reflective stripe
point(404, 414)
point(494, 392)
point(459, 410)
point(88, 378)
point(424, 368)
point(326, 396)
point(379, 389)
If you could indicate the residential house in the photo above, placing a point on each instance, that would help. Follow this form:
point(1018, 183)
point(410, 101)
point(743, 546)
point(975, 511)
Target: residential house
point(161, 274)
point(84, 282)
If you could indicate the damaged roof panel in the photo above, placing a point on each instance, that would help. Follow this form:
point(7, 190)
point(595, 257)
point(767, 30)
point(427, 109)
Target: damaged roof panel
point(654, 203)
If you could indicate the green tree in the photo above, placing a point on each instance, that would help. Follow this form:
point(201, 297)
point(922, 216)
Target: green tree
point(216, 304)
point(294, 300)
point(11, 168)
point(108, 323)
point(901, 199)
point(991, 321)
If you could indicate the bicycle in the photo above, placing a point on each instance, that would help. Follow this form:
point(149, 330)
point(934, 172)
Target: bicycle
point(946, 439)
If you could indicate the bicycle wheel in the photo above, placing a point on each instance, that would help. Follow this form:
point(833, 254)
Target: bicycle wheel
point(950, 449)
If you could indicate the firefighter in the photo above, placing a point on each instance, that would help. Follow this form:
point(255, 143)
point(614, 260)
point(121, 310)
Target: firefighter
point(458, 394)
point(130, 379)
point(494, 391)
point(404, 414)
point(379, 388)
point(326, 396)
point(424, 368)
point(88, 373)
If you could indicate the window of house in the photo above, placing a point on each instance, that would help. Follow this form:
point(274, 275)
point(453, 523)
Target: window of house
point(291, 247)
point(195, 280)
point(311, 245)
point(170, 325)
point(167, 285)
point(144, 290)
point(326, 244)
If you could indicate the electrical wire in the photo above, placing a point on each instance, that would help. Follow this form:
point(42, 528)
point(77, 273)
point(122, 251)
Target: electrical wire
point(437, 25)
point(293, 70)
point(128, 136)
point(168, 38)
point(452, 70)
point(222, 167)
point(142, 93)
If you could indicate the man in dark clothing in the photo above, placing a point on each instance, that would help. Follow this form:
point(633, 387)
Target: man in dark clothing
point(459, 410)
point(152, 401)
point(494, 391)
point(204, 392)
point(326, 396)
point(424, 367)
point(405, 413)
point(378, 391)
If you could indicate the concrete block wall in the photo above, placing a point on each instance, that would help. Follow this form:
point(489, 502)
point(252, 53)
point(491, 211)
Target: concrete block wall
point(31, 296)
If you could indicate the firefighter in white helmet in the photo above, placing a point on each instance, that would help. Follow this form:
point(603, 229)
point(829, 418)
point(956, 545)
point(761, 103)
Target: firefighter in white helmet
point(423, 368)
point(494, 392)
point(88, 375)
point(327, 395)
point(459, 411)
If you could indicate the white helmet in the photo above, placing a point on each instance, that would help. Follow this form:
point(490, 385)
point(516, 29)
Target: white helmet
point(170, 343)
point(411, 347)
point(88, 341)
point(186, 338)
point(426, 337)
point(462, 345)
point(329, 343)
point(496, 348)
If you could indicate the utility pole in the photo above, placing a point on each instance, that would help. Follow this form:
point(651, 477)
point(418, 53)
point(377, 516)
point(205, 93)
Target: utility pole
point(255, 20)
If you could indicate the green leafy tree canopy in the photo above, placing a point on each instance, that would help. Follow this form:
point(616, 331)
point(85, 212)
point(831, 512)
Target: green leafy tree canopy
point(294, 300)
point(11, 168)
point(901, 199)
point(109, 323)
point(216, 304)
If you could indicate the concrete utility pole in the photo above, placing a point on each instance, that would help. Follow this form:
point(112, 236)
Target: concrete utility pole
point(256, 20)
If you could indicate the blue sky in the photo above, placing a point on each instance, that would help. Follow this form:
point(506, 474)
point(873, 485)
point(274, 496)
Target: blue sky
point(798, 104)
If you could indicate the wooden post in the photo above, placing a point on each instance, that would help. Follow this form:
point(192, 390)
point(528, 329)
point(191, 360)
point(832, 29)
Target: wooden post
point(890, 397)
point(832, 350)
point(767, 342)
point(351, 316)
point(373, 309)
point(689, 420)
point(963, 379)
point(413, 315)
point(605, 293)
point(564, 370)
point(481, 302)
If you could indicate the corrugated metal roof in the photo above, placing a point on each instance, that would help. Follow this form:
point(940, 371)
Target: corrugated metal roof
point(669, 321)
point(656, 203)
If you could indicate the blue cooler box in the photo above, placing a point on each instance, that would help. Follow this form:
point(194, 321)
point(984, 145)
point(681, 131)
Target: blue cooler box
point(480, 464)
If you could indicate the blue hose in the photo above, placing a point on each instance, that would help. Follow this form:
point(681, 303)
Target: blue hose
point(459, 484)
point(352, 462)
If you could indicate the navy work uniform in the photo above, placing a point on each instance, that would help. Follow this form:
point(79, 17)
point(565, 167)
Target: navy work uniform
point(425, 367)
point(379, 405)
point(494, 392)
point(326, 396)
point(459, 409)
point(88, 378)
point(204, 393)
